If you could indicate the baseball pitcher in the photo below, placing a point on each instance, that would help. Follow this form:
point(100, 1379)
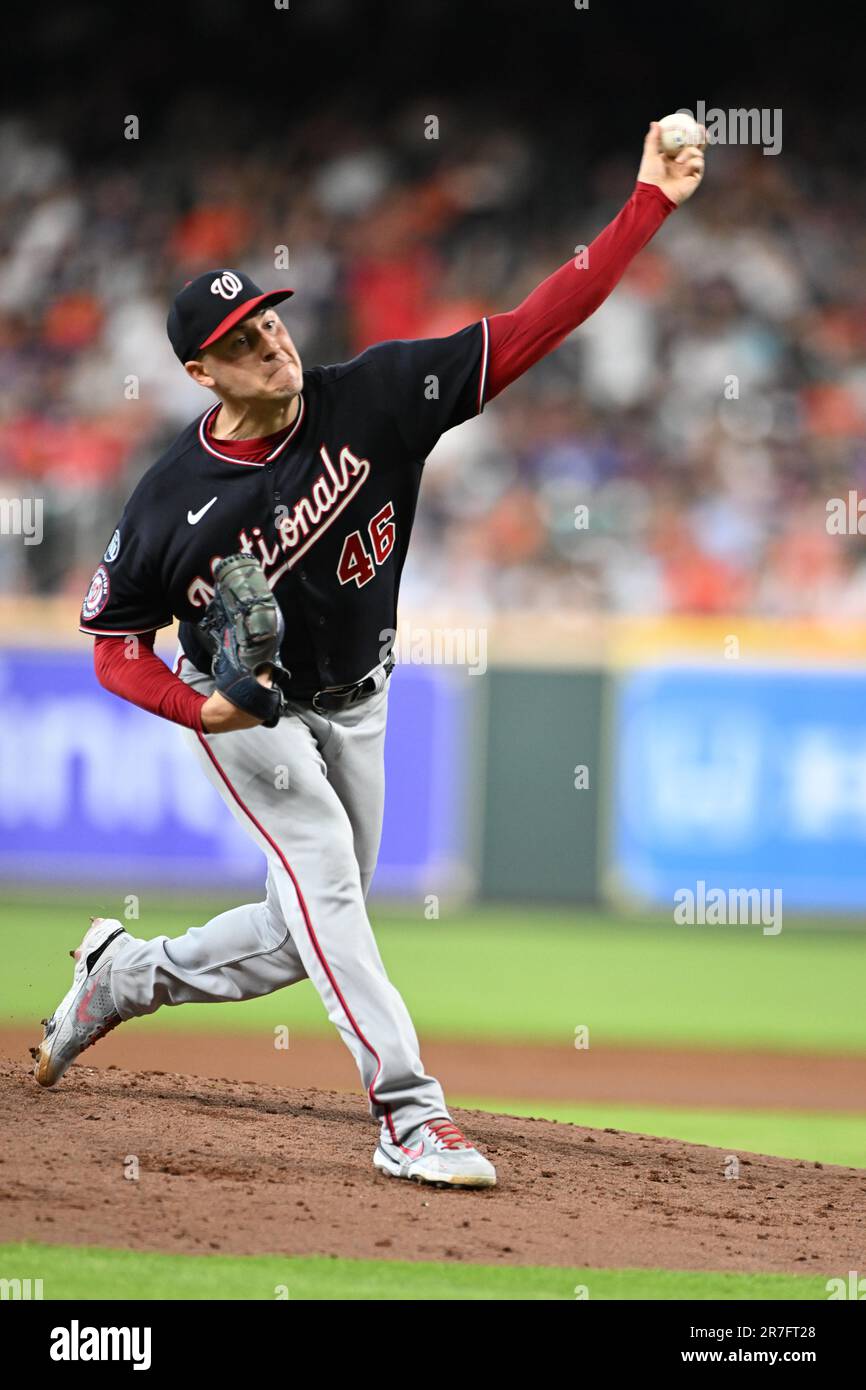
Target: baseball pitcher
point(275, 529)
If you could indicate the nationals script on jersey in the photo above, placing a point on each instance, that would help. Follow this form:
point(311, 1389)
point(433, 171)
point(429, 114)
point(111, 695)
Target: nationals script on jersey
point(328, 513)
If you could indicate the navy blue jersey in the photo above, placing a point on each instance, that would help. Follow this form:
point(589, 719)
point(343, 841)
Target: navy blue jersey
point(328, 514)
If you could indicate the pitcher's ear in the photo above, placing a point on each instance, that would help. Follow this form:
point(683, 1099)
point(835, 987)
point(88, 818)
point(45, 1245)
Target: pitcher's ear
point(198, 372)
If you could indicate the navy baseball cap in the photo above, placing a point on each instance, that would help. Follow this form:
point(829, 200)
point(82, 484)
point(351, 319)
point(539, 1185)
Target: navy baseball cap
point(211, 304)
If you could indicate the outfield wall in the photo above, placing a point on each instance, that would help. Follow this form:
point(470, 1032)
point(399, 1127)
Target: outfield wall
point(587, 761)
point(92, 788)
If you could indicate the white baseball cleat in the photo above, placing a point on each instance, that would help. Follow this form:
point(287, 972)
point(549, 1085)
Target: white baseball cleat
point(88, 1011)
point(435, 1152)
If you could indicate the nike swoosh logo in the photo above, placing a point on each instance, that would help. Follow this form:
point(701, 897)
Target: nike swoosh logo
point(193, 517)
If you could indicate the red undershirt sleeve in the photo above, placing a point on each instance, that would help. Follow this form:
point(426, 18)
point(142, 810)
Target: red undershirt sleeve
point(145, 680)
point(567, 297)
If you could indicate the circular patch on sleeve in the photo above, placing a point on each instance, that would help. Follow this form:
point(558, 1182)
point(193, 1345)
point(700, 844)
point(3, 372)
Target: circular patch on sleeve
point(97, 594)
point(113, 548)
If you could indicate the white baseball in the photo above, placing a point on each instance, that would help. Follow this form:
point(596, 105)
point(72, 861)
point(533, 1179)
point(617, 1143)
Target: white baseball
point(679, 130)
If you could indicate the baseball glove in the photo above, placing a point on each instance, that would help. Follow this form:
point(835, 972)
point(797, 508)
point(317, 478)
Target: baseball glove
point(244, 628)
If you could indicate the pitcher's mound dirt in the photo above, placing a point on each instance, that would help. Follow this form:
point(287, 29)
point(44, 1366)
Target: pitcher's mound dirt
point(516, 1070)
point(244, 1168)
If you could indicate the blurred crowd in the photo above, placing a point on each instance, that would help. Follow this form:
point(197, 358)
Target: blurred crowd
point(675, 455)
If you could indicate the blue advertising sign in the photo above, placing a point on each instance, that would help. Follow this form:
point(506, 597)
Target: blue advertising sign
point(742, 778)
point(92, 788)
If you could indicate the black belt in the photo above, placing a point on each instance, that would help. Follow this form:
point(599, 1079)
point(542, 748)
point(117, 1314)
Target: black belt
point(331, 698)
point(337, 697)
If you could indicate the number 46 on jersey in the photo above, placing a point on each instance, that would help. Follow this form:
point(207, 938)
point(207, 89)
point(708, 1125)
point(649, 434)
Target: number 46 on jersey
point(357, 562)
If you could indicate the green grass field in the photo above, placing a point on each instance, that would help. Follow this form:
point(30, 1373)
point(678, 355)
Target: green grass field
point(512, 975)
point(88, 1272)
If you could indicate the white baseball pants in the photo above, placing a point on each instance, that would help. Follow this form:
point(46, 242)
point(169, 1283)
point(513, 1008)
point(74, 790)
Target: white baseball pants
point(310, 792)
